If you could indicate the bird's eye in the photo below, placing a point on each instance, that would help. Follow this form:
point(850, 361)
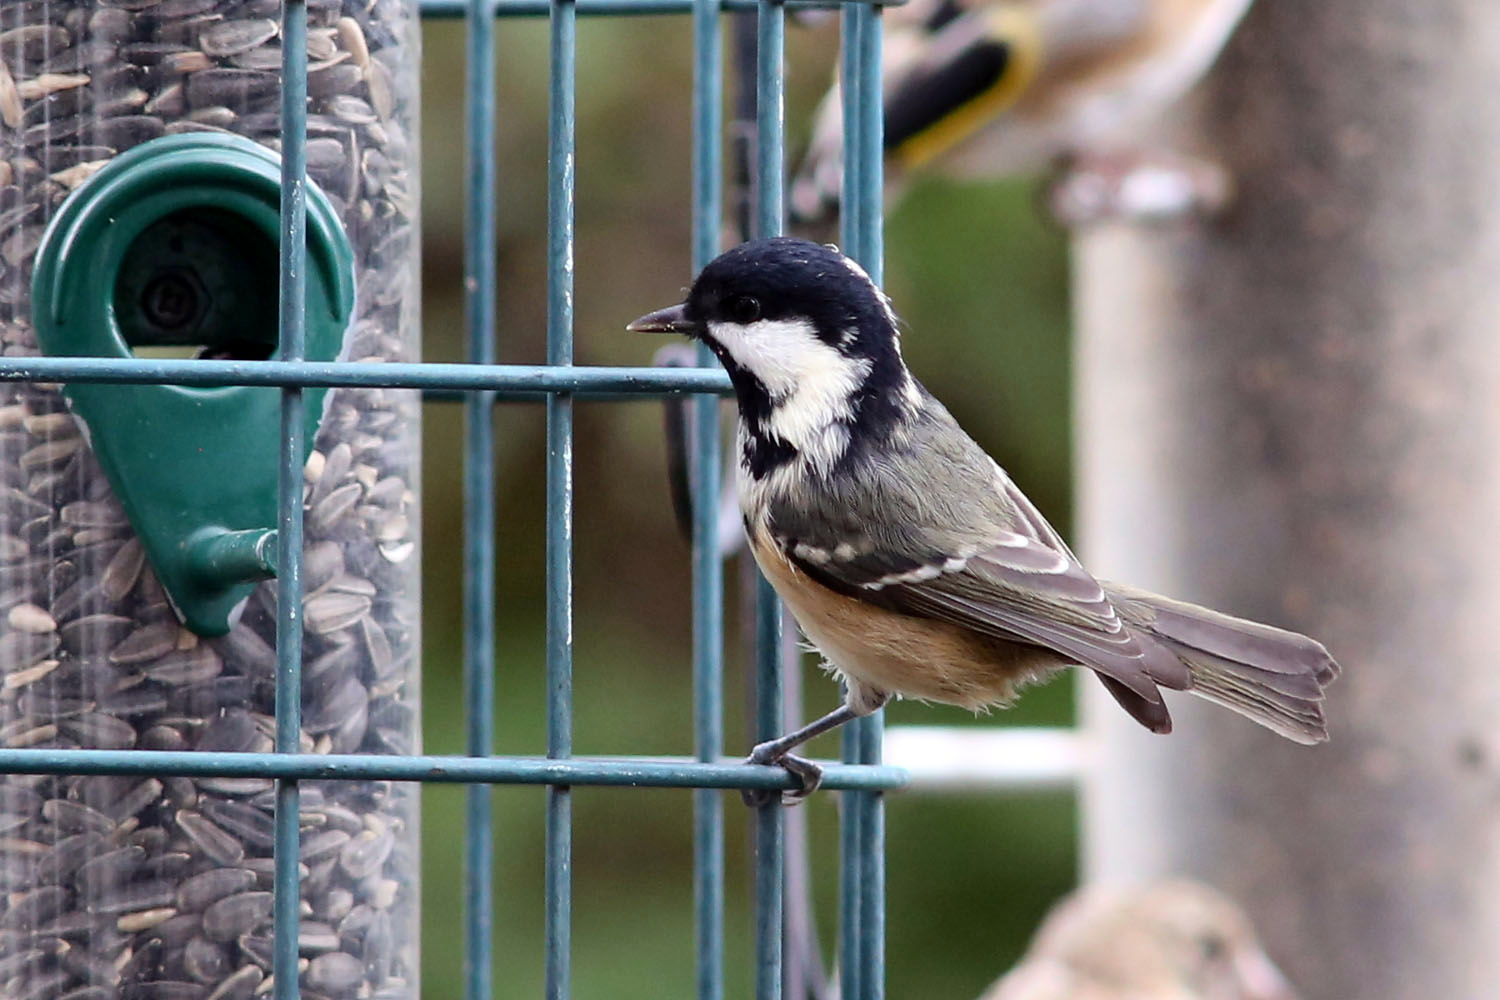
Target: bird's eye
point(1213, 947)
point(743, 309)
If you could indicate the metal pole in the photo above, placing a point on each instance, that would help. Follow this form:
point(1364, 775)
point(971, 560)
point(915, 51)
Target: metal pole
point(479, 498)
point(1291, 414)
point(292, 322)
point(561, 164)
point(708, 566)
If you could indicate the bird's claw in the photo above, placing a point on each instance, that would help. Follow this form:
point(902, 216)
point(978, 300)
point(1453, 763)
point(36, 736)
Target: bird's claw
point(809, 777)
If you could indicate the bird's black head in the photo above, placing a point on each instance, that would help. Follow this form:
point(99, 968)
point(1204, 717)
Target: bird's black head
point(784, 280)
point(808, 340)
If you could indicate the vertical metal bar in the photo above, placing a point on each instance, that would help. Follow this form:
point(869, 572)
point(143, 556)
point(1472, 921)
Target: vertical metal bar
point(851, 826)
point(770, 91)
point(708, 567)
point(871, 180)
point(848, 95)
point(743, 200)
point(864, 942)
point(292, 340)
point(479, 499)
point(560, 155)
point(870, 136)
point(769, 834)
point(769, 845)
point(871, 807)
point(850, 838)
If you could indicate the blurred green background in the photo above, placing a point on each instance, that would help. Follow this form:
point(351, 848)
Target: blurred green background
point(981, 280)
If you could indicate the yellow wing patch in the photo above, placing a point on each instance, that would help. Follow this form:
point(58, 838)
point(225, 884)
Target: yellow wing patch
point(1019, 31)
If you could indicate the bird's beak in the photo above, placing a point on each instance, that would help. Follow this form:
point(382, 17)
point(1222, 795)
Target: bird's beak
point(672, 319)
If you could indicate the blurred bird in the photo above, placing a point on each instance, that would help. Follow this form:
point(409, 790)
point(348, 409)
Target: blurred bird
point(1175, 940)
point(906, 554)
point(993, 88)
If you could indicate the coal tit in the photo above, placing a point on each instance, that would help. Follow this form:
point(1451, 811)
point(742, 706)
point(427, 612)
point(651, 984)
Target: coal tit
point(906, 554)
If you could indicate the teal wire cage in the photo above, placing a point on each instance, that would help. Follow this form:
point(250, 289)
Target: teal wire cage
point(862, 880)
point(861, 778)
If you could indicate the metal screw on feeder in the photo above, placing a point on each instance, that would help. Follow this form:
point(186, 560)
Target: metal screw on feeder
point(173, 299)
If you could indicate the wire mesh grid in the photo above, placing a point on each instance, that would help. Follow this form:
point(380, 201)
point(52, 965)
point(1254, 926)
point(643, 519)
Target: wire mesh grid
point(481, 383)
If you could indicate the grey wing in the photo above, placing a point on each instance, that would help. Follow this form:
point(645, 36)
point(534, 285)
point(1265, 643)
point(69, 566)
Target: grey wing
point(1021, 585)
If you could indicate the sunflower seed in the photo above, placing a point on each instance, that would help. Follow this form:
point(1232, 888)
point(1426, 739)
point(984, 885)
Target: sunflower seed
point(108, 870)
point(150, 642)
point(34, 41)
point(366, 853)
point(230, 86)
point(336, 973)
point(88, 993)
point(257, 948)
point(328, 511)
point(94, 635)
point(143, 920)
point(35, 907)
point(322, 844)
point(228, 38)
point(187, 666)
point(234, 915)
point(210, 838)
point(99, 731)
point(75, 817)
point(331, 611)
point(11, 108)
point(144, 701)
point(30, 618)
point(24, 649)
point(88, 514)
point(235, 786)
point(201, 890)
point(250, 824)
point(241, 985)
point(205, 961)
point(161, 989)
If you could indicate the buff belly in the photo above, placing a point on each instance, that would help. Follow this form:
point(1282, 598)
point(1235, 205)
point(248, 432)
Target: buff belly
point(880, 652)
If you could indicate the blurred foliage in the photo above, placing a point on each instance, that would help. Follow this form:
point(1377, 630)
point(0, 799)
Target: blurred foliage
point(980, 280)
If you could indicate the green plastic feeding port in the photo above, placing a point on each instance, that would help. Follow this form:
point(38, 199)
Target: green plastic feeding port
point(172, 251)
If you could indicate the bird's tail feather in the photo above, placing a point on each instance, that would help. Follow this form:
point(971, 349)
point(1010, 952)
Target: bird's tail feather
point(1269, 675)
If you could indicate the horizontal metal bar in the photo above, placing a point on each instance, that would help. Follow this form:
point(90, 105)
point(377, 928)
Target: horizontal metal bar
point(968, 759)
point(395, 375)
point(619, 8)
point(522, 397)
point(641, 772)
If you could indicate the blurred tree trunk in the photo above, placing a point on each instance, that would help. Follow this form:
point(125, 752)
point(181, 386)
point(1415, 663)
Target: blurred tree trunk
point(1293, 414)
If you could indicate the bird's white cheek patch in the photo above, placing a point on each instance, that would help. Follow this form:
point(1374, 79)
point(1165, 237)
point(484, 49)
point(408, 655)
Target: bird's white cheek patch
point(811, 384)
point(781, 353)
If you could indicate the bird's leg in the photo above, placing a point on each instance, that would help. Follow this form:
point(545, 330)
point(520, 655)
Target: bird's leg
point(779, 751)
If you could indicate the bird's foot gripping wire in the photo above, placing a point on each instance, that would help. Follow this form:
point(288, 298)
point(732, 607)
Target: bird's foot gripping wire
point(779, 751)
point(808, 775)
